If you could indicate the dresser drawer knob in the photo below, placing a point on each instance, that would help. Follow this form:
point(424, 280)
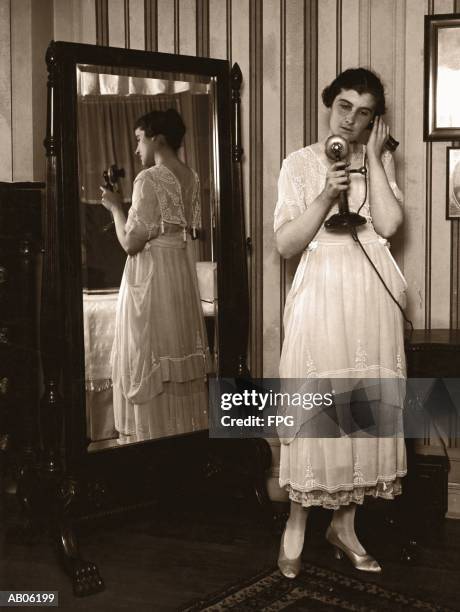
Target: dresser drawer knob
point(3, 335)
point(3, 274)
point(25, 247)
point(4, 382)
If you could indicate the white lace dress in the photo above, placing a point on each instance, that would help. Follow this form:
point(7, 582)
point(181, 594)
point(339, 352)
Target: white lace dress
point(340, 324)
point(160, 353)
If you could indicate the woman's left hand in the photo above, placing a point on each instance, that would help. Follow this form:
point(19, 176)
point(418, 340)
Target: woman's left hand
point(377, 139)
point(110, 199)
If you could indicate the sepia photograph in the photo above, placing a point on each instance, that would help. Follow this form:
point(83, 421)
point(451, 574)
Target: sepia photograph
point(230, 305)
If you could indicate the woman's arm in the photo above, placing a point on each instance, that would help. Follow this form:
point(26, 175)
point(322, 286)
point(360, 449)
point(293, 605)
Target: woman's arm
point(386, 211)
point(292, 237)
point(295, 235)
point(132, 242)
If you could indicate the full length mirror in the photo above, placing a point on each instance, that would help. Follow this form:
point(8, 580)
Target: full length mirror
point(149, 315)
point(144, 283)
point(144, 278)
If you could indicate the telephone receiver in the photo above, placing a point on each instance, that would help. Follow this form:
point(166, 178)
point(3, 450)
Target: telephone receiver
point(391, 144)
point(111, 176)
point(337, 149)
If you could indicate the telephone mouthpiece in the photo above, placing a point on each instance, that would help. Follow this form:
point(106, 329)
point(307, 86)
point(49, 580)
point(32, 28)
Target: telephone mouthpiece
point(336, 148)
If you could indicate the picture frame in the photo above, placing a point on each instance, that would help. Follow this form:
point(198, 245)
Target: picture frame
point(441, 114)
point(453, 183)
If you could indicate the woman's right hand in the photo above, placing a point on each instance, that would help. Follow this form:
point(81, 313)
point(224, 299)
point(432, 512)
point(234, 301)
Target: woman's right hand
point(110, 199)
point(337, 180)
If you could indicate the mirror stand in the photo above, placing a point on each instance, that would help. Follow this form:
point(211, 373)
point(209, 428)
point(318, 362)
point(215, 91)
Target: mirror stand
point(66, 483)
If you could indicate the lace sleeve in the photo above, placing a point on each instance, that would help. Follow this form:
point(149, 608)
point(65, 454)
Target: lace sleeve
point(144, 216)
point(291, 192)
point(389, 167)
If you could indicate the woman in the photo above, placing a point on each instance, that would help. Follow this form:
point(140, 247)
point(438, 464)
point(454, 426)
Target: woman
point(340, 323)
point(160, 353)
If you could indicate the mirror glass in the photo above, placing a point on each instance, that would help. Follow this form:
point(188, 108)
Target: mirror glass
point(149, 318)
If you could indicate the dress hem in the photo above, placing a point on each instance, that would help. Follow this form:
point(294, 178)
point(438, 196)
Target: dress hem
point(384, 487)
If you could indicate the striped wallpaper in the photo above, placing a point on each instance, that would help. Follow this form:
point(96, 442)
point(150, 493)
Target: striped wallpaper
point(288, 51)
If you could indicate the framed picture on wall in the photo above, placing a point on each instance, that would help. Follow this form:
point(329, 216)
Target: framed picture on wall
point(453, 183)
point(441, 113)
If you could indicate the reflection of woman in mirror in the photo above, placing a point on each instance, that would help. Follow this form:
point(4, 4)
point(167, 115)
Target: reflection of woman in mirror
point(160, 354)
point(340, 323)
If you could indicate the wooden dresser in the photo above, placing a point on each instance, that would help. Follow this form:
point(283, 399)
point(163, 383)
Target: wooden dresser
point(20, 250)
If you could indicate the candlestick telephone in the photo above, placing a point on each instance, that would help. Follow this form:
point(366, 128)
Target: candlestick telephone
point(337, 149)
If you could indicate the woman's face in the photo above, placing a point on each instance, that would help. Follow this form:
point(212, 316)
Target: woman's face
point(351, 113)
point(145, 148)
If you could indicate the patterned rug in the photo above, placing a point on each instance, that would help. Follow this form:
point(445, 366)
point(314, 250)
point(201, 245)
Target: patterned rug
point(314, 590)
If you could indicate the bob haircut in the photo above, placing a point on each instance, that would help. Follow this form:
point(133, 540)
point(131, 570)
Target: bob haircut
point(361, 80)
point(168, 123)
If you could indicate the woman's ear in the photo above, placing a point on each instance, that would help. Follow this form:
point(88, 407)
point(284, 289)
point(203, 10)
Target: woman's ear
point(159, 139)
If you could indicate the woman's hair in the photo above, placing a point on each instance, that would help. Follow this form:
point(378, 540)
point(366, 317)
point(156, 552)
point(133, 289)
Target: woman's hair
point(168, 123)
point(362, 81)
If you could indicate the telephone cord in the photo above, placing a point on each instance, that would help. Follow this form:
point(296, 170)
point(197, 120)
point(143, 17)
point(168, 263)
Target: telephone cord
point(356, 239)
point(363, 171)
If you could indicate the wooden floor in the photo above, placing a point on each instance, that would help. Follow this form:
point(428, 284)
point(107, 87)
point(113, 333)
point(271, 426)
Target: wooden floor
point(171, 555)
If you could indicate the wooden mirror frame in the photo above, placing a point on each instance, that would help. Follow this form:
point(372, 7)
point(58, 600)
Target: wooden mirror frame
point(84, 484)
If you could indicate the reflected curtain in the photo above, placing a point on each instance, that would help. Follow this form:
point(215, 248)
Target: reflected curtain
point(95, 75)
point(106, 137)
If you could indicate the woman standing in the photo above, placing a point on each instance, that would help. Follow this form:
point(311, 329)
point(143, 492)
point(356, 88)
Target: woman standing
point(340, 323)
point(160, 353)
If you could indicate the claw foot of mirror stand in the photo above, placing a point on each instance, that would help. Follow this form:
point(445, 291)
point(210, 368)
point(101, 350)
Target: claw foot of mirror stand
point(84, 574)
point(44, 500)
